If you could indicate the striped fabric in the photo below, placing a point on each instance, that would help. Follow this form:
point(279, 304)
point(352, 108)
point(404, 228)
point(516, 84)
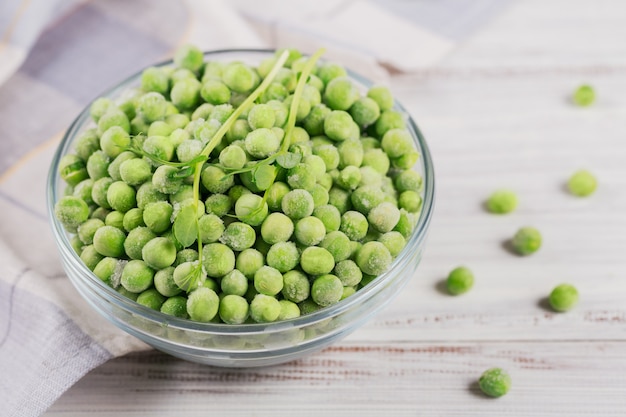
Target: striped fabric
point(58, 55)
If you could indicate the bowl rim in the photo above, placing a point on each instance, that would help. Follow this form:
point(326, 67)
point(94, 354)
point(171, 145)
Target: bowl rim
point(363, 294)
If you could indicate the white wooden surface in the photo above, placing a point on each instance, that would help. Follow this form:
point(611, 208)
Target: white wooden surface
point(495, 114)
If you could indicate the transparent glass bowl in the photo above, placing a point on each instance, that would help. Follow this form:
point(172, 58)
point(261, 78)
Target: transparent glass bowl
point(243, 345)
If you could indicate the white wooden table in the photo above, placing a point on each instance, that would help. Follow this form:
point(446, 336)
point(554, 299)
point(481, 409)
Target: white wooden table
point(496, 114)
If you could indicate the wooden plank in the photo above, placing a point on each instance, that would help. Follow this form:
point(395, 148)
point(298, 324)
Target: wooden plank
point(404, 379)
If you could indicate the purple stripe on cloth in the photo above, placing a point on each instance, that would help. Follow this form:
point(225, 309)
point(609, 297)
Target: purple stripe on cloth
point(90, 52)
point(44, 347)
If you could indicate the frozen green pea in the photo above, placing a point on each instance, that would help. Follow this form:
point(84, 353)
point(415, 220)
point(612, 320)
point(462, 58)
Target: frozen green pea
point(329, 215)
point(275, 194)
point(190, 275)
point(377, 159)
point(159, 253)
point(313, 95)
point(136, 240)
point(501, 202)
point(106, 268)
point(316, 261)
point(217, 259)
point(366, 198)
point(100, 213)
point(319, 194)
point(115, 166)
point(405, 224)
point(147, 194)
point(340, 93)
point(185, 255)
point(215, 92)
point(339, 126)
point(495, 382)
point(164, 282)
point(109, 241)
point(365, 111)
point(329, 155)
point(584, 96)
point(326, 290)
point(87, 143)
point(204, 130)
point(406, 161)
point(563, 297)
point(268, 280)
point(582, 183)
point(115, 219)
point(314, 121)
point(179, 134)
point(275, 91)
point(175, 306)
point(397, 142)
point(393, 241)
point(348, 291)
point(83, 191)
point(71, 212)
point(198, 116)
point(349, 178)
point(233, 157)
point(233, 309)
point(160, 128)
point(348, 273)
point(238, 77)
point(264, 308)
point(236, 191)
point(165, 179)
point(384, 217)
point(460, 280)
point(155, 79)
point(526, 241)
point(113, 117)
point(139, 126)
point(373, 258)
point(315, 165)
point(215, 180)
point(202, 304)
point(239, 236)
point(297, 204)
point(283, 256)
point(90, 257)
point(186, 93)
point(382, 96)
point(152, 106)
point(329, 71)
point(98, 165)
point(350, 153)
point(316, 82)
point(238, 131)
point(137, 276)
point(308, 306)
point(251, 209)
point(309, 231)
point(218, 204)
point(157, 216)
point(301, 176)
point(72, 169)
point(288, 310)
point(249, 261)
point(277, 227)
point(99, 107)
point(211, 228)
point(189, 57)
point(410, 201)
point(234, 283)
point(159, 146)
point(286, 77)
point(121, 196)
point(87, 230)
point(340, 199)
point(389, 119)
point(338, 244)
point(261, 143)
point(188, 149)
point(408, 180)
point(261, 116)
point(99, 192)
point(296, 286)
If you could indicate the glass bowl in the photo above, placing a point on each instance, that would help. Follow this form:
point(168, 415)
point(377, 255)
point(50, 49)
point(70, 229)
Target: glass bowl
point(243, 345)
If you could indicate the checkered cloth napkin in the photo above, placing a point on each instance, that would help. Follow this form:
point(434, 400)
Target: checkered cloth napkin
point(58, 55)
